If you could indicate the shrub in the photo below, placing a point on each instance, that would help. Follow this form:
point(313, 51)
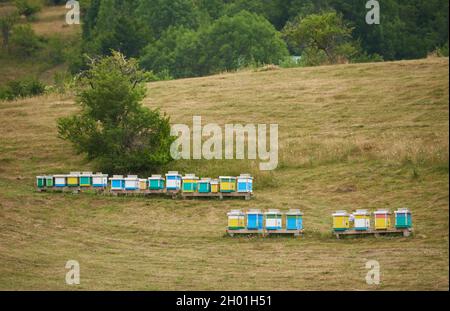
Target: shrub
point(28, 8)
point(22, 88)
point(443, 51)
point(24, 41)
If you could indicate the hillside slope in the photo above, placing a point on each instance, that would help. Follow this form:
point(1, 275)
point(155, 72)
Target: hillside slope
point(351, 136)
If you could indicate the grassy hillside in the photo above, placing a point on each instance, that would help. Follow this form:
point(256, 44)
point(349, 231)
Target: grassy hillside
point(47, 24)
point(351, 136)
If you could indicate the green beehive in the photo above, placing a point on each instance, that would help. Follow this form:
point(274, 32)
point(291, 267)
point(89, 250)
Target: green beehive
point(49, 181)
point(156, 182)
point(86, 179)
point(204, 185)
point(40, 181)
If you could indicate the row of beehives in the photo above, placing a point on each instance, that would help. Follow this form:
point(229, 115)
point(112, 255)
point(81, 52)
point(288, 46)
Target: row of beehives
point(255, 219)
point(361, 220)
point(173, 181)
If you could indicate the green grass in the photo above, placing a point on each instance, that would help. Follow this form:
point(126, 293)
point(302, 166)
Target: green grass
point(351, 136)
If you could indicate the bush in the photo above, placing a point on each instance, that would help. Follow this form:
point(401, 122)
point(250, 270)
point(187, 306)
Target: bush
point(54, 51)
point(313, 57)
point(24, 42)
point(443, 51)
point(291, 62)
point(28, 8)
point(22, 88)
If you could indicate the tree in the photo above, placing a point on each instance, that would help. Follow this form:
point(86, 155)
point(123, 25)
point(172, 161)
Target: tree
point(159, 15)
point(7, 22)
point(237, 41)
point(326, 32)
point(177, 51)
point(230, 43)
point(114, 129)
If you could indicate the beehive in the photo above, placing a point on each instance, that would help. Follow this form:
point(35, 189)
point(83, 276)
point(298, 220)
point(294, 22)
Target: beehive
point(227, 184)
point(100, 180)
point(86, 179)
point(117, 182)
point(274, 220)
point(40, 181)
point(60, 180)
point(341, 221)
point(215, 186)
point(362, 220)
point(73, 179)
point(190, 182)
point(156, 182)
point(173, 181)
point(382, 219)
point(245, 183)
point(204, 185)
point(142, 184)
point(255, 219)
point(236, 220)
point(49, 181)
point(132, 182)
point(294, 220)
point(403, 218)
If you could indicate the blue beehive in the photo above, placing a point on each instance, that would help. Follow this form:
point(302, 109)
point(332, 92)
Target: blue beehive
point(173, 181)
point(255, 219)
point(294, 220)
point(245, 183)
point(117, 182)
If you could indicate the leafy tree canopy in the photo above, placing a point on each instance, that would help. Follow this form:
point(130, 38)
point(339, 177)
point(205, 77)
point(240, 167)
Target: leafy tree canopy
point(114, 129)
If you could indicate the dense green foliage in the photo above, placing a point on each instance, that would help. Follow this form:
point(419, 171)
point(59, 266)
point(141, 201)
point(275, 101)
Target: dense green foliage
point(321, 34)
point(114, 129)
point(199, 37)
point(28, 8)
point(21, 88)
point(228, 44)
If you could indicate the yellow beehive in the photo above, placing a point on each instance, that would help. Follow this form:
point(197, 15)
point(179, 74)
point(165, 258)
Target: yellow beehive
point(215, 186)
point(73, 179)
point(382, 219)
point(341, 221)
point(142, 184)
point(236, 220)
point(227, 184)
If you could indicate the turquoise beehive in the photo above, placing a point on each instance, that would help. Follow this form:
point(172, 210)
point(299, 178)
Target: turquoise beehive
point(403, 218)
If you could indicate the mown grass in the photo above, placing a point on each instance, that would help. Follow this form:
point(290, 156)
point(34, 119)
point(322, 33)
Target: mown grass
point(351, 136)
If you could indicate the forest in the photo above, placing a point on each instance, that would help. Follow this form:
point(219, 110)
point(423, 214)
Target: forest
point(190, 38)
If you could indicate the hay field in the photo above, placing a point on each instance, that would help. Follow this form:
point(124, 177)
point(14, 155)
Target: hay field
point(351, 136)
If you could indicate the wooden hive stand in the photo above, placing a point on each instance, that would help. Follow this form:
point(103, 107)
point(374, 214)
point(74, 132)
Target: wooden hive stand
point(377, 233)
point(232, 233)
